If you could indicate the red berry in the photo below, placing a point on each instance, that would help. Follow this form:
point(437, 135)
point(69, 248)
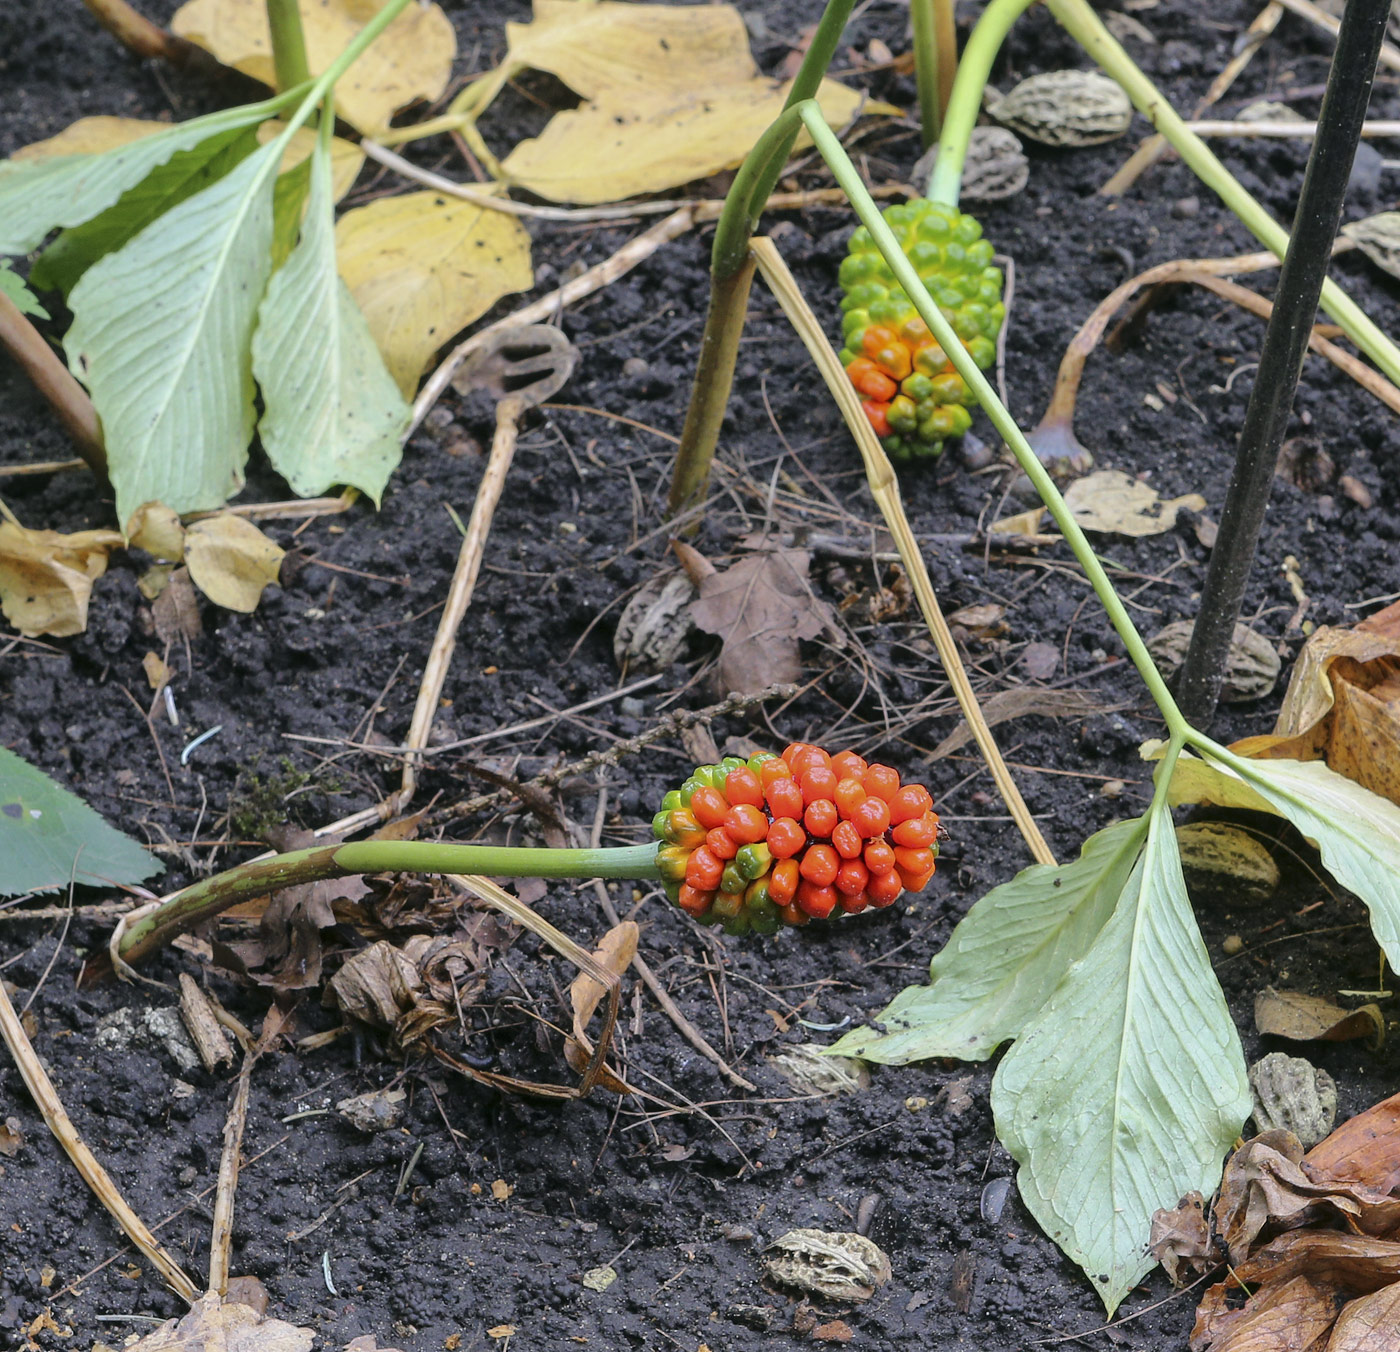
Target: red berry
point(722, 844)
point(854, 905)
point(708, 806)
point(913, 800)
point(785, 798)
point(881, 781)
point(820, 817)
point(871, 818)
point(852, 877)
point(879, 857)
point(783, 882)
point(819, 865)
point(817, 782)
point(883, 888)
point(693, 901)
point(792, 914)
point(848, 765)
point(770, 772)
point(786, 838)
point(790, 752)
point(817, 901)
point(846, 841)
point(703, 869)
point(807, 758)
point(915, 867)
point(743, 786)
point(746, 824)
point(917, 832)
point(849, 795)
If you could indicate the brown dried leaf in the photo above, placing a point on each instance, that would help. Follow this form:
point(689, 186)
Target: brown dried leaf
point(761, 607)
point(214, 1326)
point(836, 1331)
point(11, 1138)
point(1040, 661)
point(1115, 503)
point(1368, 1324)
point(1309, 1018)
point(176, 609)
point(981, 621)
point(615, 953)
point(46, 577)
point(1180, 1238)
point(1343, 706)
point(1020, 702)
point(1364, 1149)
point(377, 986)
point(1293, 1316)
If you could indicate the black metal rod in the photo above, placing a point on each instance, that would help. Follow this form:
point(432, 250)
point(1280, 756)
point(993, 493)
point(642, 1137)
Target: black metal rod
point(1281, 358)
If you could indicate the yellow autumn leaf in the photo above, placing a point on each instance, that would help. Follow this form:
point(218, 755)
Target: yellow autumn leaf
point(46, 577)
point(422, 267)
point(156, 528)
point(671, 95)
point(91, 136)
point(231, 561)
point(410, 61)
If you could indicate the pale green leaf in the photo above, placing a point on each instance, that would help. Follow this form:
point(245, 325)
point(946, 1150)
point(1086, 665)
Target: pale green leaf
point(160, 336)
point(1357, 832)
point(333, 413)
point(49, 837)
point(1129, 1086)
point(184, 174)
point(20, 296)
point(1006, 957)
point(37, 196)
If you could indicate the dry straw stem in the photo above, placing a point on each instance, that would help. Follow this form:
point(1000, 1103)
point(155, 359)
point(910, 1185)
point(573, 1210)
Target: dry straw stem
point(138, 34)
point(1284, 131)
point(1156, 146)
point(884, 486)
point(1305, 9)
point(55, 382)
point(459, 594)
point(46, 1098)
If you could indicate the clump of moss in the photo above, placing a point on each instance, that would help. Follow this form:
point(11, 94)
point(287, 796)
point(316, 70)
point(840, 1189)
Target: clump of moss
point(261, 802)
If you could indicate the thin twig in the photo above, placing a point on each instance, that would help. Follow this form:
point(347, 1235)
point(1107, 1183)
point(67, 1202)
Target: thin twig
point(46, 1098)
point(1390, 56)
point(138, 34)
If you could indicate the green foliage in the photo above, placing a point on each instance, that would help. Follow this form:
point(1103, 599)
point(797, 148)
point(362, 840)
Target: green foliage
point(23, 299)
point(49, 837)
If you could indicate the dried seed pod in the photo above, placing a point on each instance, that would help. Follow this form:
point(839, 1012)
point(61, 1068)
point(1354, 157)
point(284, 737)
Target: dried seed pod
point(1251, 671)
point(1065, 108)
point(1378, 237)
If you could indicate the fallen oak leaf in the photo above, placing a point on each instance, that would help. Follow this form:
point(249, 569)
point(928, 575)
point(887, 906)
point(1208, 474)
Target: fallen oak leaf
point(1115, 503)
point(761, 607)
point(231, 561)
point(46, 577)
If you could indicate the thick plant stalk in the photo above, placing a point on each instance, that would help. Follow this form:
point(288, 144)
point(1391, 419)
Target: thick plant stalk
point(138, 34)
point(1281, 358)
point(55, 382)
point(884, 486)
point(1080, 21)
point(140, 935)
point(288, 43)
point(935, 61)
point(46, 1099)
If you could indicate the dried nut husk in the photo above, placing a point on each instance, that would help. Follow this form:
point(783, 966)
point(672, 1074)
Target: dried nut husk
point(655, 624)
point(1251, 670)
point(809, 1070)
point(1065, 108)
point(1221, 856)
point(995, 166)
point(827, 1263)
point(1291, 1094)
point(1266, 110)
point(1378, 237)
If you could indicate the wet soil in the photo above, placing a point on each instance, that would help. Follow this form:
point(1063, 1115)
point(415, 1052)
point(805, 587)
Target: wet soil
point(510, 1201)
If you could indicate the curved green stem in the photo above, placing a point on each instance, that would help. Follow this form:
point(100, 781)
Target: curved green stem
point(974, 70)
point(749, 191)
point(288, 43)
point(840, 164)
point(926, 60)
point(201, 901)
point(1082, 24)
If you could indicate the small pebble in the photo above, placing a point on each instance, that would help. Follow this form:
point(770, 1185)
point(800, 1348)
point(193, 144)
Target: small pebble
point(1186, 208)
point(993, 1201)
point(1232, 945)
point(1112, 788)
point(916, 1104)
point(635, 366)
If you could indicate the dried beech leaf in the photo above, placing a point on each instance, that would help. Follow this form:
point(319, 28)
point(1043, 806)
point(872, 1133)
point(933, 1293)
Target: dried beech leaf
point(231, 561)
point(1291, 1316)
point(1309, 1018)
point(1365, 1148)
point(1368, 1324)
point(377, 986)
point(1180, 1238)
point(1251, 666)
point(410, 61)
point(761, 607)
point(1113, 502)
point(1226, 856)
point(615, 953)
point(176, 608)
point(671, 94)
point(156, 528)
point(215, 1326)
point(46, 577)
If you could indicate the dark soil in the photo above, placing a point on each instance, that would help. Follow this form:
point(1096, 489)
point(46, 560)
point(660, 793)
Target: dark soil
point(679, 1202)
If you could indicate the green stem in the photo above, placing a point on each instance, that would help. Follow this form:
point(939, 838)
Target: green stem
point(288, 43)
point(1082, 24)
point(926, 69)
point(974, 70)
point(831, 150)
point(203, 900)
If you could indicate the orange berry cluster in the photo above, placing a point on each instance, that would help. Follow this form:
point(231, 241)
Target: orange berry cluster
point(781, 840)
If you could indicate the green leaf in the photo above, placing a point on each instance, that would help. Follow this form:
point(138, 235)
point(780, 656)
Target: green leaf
point(1357, 832)
point(1006, 957)
point(42, 195)
point(1129, 1086)
point(184, 174)
point(160, 336)
point(23, 299)
point(333, 413)
point(49, 837)
point(288, 204)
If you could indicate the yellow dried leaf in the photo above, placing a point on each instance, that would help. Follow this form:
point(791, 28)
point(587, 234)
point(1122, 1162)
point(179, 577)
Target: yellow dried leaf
point(346, 157)
point(91, 136)
point(46, 577)
point(424, 266)
point(672, 95)
point(501, 1190)
point(231, 561)
point(411, 61)
point(156, 528)
point(1111, 501)
point(157, 673)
